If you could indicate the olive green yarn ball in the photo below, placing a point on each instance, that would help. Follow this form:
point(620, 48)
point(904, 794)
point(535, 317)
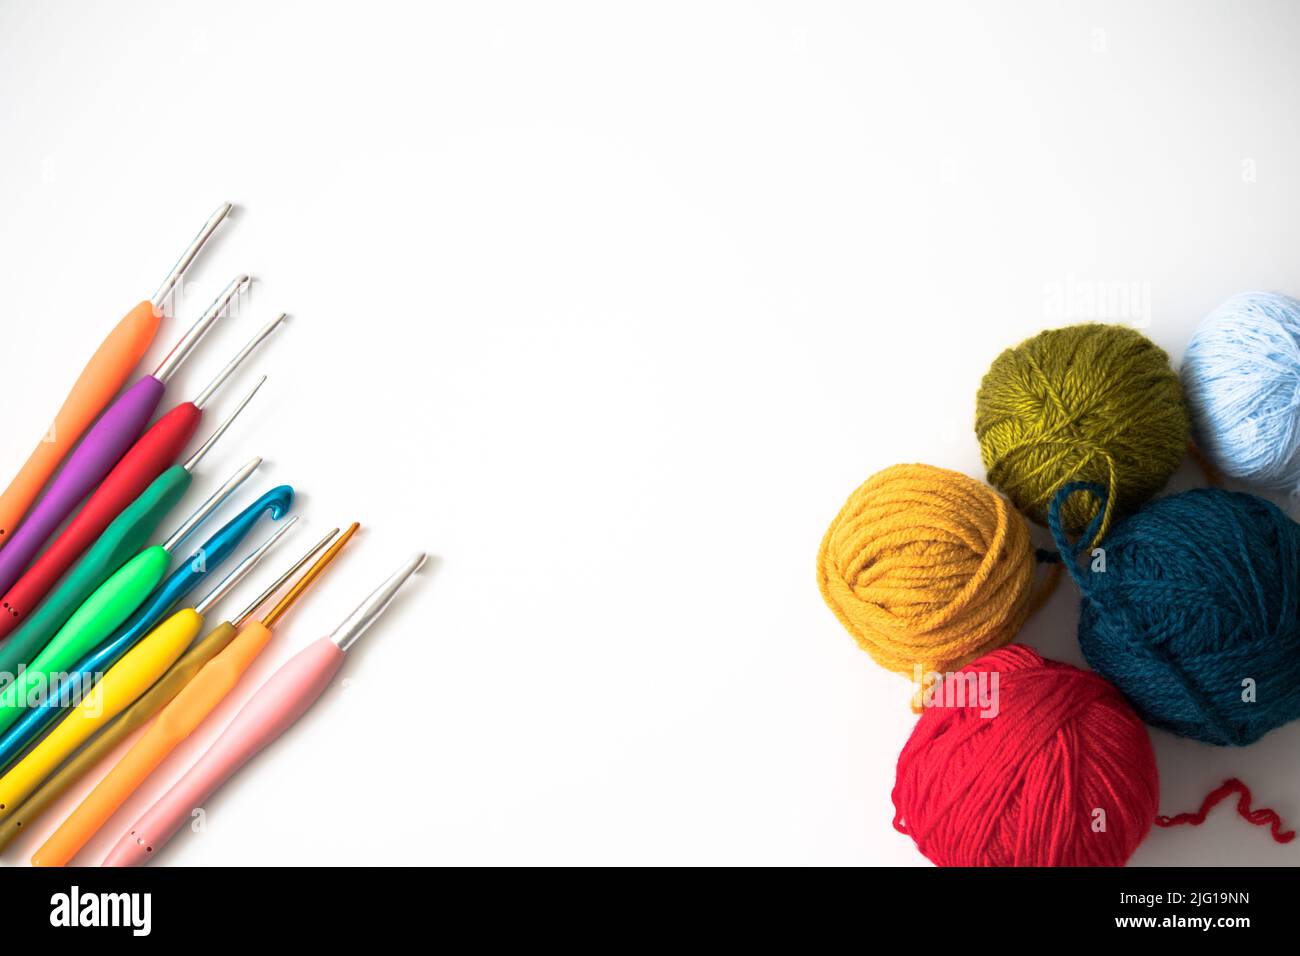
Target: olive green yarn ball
point(1090, 402)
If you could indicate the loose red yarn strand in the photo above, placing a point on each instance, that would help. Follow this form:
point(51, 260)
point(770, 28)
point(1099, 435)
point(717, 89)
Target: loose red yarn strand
point(1262, 817)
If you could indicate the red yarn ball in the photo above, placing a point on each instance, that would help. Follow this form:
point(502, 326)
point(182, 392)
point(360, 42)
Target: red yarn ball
point(1062, 775)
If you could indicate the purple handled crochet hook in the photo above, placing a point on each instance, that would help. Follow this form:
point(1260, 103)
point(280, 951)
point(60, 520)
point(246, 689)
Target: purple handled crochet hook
point(105, 443)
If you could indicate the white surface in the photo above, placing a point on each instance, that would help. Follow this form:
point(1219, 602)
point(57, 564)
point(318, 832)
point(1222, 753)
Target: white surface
point(610, 307)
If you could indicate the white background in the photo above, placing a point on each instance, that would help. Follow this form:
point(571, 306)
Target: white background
point(609, 307)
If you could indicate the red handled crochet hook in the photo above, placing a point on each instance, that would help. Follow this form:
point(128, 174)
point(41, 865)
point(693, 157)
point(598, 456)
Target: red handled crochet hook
point(155, 451)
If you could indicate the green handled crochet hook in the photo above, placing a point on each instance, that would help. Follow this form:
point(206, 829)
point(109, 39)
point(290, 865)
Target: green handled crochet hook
point(111, 602)
point(124, 537)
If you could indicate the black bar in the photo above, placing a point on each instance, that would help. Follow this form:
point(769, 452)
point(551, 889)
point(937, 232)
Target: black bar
point(201, 905)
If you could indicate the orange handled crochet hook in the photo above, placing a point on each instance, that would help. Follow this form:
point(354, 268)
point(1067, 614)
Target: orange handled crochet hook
point(177, 721)
point(99, 381)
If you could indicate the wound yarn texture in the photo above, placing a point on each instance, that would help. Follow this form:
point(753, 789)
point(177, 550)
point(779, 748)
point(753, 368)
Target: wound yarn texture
point(1241, 376)
point(1092, 402)
point(1028, 786)
point(1196, 615)
point(925, 566)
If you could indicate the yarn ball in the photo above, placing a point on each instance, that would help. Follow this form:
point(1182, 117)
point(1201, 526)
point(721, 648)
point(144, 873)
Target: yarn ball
point(1061, 775)
point(1088, 402)
point(1241, 376)
point(1193, 611)
point(925, 566)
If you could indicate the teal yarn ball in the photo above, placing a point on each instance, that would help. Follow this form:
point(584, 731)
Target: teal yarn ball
point(1192, 609)
point(1241, 378)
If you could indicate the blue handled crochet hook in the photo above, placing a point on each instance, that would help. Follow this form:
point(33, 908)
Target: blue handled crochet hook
point(165, 597)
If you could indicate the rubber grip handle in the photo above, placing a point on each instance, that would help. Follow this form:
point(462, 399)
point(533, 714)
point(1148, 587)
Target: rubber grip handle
point(274, 708)
point(98, 452)
point(101, 615)
point(176, 722)
point(204, 558)
point(128, 533)
point(156, 450)
point(105, 373)
point(105, 742)
point(207, 557)
point(116, 690)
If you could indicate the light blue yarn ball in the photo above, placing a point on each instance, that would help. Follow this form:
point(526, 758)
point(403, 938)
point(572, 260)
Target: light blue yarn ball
point(1241, 378)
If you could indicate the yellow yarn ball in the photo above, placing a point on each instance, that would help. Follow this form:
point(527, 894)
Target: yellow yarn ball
point(1089, 402)
point(925, 566)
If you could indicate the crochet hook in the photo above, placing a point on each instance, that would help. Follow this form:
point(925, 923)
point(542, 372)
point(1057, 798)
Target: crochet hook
point(136, 621)
point(122, 539)
point(272, 710)
point(137, 474)
point(106, 442)
point(176, 722)
point(104, 374)
point(156, 449)
point(138, 714)
point(122, 684)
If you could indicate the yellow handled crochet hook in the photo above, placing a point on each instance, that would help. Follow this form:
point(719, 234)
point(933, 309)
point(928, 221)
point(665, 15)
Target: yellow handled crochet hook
point(125, 681)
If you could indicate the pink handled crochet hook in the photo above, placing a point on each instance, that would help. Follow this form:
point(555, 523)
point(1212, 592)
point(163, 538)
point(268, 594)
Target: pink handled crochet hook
point(271, 711)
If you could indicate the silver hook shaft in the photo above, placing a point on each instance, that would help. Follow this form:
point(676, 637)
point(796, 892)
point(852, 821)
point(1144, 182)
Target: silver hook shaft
point(241, 570)
point(211, 505)
point(234, 363)
point(221, 429)
point(185, 346)
point(278, 583)
point(356, 623)
point(189, 255)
